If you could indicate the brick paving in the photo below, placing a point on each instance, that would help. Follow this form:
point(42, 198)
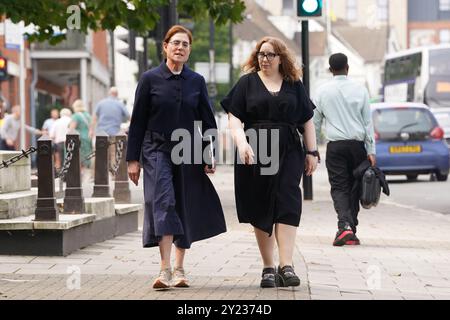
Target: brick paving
point(405, 254)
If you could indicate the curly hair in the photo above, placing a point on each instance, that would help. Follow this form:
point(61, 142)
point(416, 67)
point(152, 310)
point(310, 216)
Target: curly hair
point(288, 66)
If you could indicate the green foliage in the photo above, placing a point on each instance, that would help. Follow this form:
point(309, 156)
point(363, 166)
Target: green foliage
point(139, 15)
point(200, 46)
point(200, 51)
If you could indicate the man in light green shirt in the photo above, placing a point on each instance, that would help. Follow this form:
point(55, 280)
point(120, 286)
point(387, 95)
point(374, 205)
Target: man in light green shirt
point(344, 105)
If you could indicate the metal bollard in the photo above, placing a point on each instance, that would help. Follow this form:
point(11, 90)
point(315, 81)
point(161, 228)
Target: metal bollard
point(73, 196)
point(101, 179)
point(122, 192)
point(46, 201)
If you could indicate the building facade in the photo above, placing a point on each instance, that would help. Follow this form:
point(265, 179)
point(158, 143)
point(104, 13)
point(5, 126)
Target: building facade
point(428, 22)
point(77, 68)
point(364, 43)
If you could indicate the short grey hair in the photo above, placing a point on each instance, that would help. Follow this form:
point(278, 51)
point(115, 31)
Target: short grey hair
point(113, 91)
point(65, 112)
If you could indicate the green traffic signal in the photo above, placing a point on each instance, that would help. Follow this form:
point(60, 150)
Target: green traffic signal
point(309, 8)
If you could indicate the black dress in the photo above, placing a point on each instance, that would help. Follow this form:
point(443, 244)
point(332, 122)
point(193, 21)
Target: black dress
point(263, 200)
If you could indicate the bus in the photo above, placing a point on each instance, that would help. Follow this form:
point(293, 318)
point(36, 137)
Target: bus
point(418, 75)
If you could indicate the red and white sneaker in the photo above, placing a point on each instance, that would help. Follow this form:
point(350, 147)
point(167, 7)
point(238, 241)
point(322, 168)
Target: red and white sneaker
point(342, 236)
point(354, 241)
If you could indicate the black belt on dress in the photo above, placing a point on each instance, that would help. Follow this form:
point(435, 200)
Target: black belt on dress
point(293, 129)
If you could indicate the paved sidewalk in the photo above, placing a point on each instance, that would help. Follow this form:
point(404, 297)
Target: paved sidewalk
point(405, 254)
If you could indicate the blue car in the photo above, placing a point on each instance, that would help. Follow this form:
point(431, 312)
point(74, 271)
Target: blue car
point(409, 141)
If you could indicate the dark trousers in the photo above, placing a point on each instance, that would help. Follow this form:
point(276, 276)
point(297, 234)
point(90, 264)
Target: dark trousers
point(341, 159)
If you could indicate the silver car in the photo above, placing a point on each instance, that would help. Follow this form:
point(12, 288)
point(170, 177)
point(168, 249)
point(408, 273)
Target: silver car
point(442, 115)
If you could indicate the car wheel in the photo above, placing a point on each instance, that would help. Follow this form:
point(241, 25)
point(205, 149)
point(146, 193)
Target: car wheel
point(441, 177)
point(411, 177)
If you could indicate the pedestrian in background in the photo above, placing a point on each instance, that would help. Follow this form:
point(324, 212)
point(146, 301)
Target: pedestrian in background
point(344, 104)
point(109, 114)
point(58, 134)
point(47, 126)
point(81, 121)
point(48, 123)
point(10, 129)
point(270, 96)
point(181, 204)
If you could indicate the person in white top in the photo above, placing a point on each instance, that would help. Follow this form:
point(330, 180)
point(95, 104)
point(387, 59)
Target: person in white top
point(54, 115)
point(58, 134)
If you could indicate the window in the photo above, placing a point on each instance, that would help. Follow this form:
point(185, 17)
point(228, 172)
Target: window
point(444, 5)
point(403, 68)
point(288, 8)
point(383, 8)
point(352, 11)
point(439, 62)
point(408, 119)
point(444, 36)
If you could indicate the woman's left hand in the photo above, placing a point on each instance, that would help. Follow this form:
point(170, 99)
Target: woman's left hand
point(210, 170)
point(310, 164)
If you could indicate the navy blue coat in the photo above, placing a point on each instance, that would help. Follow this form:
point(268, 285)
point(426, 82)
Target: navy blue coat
point(179, 199)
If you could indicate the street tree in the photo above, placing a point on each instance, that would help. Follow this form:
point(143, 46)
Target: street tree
point(50, 18)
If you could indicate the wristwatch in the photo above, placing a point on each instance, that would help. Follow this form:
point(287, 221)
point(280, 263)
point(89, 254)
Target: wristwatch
point(314, 153)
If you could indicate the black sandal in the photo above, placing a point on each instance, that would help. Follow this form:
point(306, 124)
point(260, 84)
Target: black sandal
point(268, 278)
point(286, 277)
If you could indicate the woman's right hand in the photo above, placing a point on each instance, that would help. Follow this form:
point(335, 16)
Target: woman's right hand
point(134, 170)
point(246, 153)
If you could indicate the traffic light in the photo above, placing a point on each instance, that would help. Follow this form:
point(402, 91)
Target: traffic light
point(129, 50)
point(309, 8)
point(3, 69)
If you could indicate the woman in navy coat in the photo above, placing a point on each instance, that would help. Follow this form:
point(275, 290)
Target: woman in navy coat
point(181, 204)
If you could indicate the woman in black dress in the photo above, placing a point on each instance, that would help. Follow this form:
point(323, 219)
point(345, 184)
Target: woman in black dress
point(181, 204)
point(270, 98)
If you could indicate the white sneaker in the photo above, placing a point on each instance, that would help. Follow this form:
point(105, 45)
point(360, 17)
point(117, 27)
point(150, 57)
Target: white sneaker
point(163, 280)
point(179, 279)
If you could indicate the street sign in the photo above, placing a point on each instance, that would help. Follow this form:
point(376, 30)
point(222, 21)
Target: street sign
point(13, 34)
point(221, 71)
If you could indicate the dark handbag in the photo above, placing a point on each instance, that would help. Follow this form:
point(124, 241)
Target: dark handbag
point(370, 189)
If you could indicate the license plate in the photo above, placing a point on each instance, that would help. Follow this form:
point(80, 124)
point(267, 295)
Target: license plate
point(405, 149)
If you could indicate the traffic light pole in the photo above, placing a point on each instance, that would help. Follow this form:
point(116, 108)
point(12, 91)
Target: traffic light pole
point(307, 180)
point(22, 78)
point(113, 58)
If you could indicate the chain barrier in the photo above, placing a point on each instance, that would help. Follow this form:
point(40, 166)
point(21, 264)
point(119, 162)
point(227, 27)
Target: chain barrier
point(67, 160)
point(89, 156)
point(119, 149)
point(92, 154)
point(10, 161)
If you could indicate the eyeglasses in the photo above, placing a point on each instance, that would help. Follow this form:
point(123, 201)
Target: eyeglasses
point(269, 55)
point(176, 43)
